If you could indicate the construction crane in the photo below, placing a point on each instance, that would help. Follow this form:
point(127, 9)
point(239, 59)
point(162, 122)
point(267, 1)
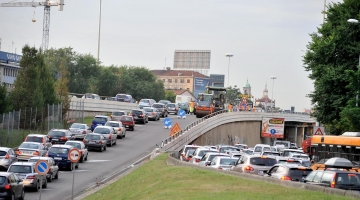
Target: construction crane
point(46, 21)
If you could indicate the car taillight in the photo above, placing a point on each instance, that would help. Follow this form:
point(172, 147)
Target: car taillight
point(333, 181)
point(49, 170)
point(111, 116)
point(285, 178)
point(100, 142)
point(43, 141)
point(188, 158)
point(110, 137)
point(84, 141)
point(197, 160)
point(36, 153)
point(130, 114)
point(84, 132)
point(249, 168)
point(7, 156)
point(141, 115)
point(92, 124)
point(119, 129)
point(30, 177)
point(7, 187)
point(152, 113)
point(63, 138)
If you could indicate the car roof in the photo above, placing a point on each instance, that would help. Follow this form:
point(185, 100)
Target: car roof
point(259, 156)
point(37, 135)
point(5, 173)
point(31, 142)
point(119, 111)
point(4, 148)
point(265, 145)
point(59, 130)
point(74, 141)
point(93, 134)
point(79, 123)
point(114, 122)
point(108, 127)
point(41, 158)
point(24, 163)
point(337, 162)
point(62, 146)
point(101, 116)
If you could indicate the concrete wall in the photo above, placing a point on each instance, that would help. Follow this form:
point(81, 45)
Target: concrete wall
point(100, 106)
point(247, 132)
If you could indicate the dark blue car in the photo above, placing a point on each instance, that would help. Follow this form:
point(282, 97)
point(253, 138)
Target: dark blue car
point(60, 155)
point(99, 120)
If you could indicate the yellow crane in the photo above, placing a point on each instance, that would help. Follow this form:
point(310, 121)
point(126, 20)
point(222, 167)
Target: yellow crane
point(46, 21)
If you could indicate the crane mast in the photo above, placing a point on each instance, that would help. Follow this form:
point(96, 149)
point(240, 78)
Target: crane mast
point(46, 20)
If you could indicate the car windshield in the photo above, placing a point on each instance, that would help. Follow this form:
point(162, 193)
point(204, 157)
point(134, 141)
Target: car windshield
point(92, 137)
point(102, 130)
point(118, 113)
point(203, 152)
point(100, 119)
point(187, 148)
point(34, 139)
point(2, 180)
point(157, 105)
point(79, 126)
point(74, 144)
point(3, 153)
point(112, 124)
point(29, 146)
point(58, 150)
point(262, 161)
point(213, 156)
point(348, 179)
point(148, 109)
point(299, 172)
point(56, 133)
point(20, 169)
point(126, 119)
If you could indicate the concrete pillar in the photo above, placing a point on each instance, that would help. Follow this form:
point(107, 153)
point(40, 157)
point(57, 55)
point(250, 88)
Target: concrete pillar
point(295, 138)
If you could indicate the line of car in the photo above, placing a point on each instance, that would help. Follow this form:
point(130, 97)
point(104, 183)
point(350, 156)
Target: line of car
point(287, 165)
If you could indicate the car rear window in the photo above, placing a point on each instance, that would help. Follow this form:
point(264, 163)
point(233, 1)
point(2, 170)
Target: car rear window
point(56, 133)
point(92, 137)
point(100, 119)
point(348, 179)
point(187, 148)
point(262, 161)
point(289, 162)
point(3, 153)
point(136, 112)
point(74, 144)
point(118, 113)
point(80, 126)
point(171, 105)
point(126, 119)
point(112, 124)
point(223, 149)
point(157, 105)
point(227, 161)
point(148, 109)
point(121, 95)
point(29, 146)
point(34, 139)
point(102, 130)
point(299, 171)
point(59, 150)
point(20, 169)
point(2, 180)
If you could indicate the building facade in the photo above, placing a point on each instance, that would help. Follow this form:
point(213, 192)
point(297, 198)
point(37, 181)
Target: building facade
point(9, 68)
point(264, 101)
point(217, 80)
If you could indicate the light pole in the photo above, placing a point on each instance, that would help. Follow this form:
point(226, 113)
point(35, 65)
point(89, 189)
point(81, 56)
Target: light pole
point(98, 50)
point(272, 93)
point(357, 86)
point(228, 55)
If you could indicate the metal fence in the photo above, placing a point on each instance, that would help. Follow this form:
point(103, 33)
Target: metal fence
point(16, 125)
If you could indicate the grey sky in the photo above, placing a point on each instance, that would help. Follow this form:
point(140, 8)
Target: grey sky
point(267, 38)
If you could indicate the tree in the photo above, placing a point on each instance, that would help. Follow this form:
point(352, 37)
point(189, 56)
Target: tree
point(62, 91)
point(170, 95)
point(331, 57)
point(232, 94)
point(3, 99)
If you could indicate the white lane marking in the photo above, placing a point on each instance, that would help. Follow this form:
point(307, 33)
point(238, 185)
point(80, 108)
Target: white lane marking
point(78, 170)
point(98, 160)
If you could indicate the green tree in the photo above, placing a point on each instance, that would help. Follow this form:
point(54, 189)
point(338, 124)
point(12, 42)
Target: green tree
point(170, 95)
point(232, 94)
point(108, 82)
point(61, 85)
point(3, 99)
point(334, 51)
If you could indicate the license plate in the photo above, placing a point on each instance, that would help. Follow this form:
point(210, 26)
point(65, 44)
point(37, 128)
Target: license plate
point(57, 158)
point(127, 126)
point(92, 142)
point(135, 117)
point(55, 139)
point(27, 152)
point(260, 172)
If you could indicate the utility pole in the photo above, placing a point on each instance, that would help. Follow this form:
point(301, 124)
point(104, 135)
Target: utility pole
point(98, 51)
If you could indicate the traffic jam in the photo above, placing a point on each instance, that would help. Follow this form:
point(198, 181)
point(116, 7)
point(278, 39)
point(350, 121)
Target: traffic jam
point(38, 160)
point(324, 160)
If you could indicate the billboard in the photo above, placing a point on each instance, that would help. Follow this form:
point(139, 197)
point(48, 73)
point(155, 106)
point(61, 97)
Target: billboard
point(200, 85)
point(273, 127)
point(192, 59)
point(217, 80)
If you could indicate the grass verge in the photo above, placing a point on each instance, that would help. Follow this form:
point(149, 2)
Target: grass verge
point(157, 180)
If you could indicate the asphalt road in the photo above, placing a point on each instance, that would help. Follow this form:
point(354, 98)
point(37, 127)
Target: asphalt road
point(100, 165)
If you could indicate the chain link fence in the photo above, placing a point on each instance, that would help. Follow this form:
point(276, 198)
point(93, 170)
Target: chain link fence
point(16, 125)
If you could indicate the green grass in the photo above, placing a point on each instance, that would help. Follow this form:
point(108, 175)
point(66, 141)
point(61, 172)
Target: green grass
point(157, 180)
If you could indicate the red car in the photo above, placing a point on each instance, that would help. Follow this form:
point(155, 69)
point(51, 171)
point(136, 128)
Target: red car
point(128, 122)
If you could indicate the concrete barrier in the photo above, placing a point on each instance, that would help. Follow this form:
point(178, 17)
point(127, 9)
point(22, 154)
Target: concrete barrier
point(354, 194)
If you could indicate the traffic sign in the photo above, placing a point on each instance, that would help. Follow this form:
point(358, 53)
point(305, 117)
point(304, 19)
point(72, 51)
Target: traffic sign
point(318, 131)
point(272, 131)
point(167, 122)
point(181, 113)
point(175, 129)
point(42, 167)
point(74, 155)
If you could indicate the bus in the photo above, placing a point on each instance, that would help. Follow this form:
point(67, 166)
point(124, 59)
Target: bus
point(346, 146)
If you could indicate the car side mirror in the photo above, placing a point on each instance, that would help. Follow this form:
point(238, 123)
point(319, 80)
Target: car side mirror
point(207, 163)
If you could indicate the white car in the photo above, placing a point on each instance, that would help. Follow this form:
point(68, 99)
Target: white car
point(223, 162)
point(119, 128)
point(79, 130)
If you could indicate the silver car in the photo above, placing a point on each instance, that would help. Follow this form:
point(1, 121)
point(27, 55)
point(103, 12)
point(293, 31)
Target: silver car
point(199, 153)
point(172, 108)
point(116, 115)
point(109, 134)
point(119, 128)
point(26, 171)
point(254, 164)
point(208, 157)
point(223, 162)
point(79, 130)
point(30, 149)
point(152, 113)
point(7, 157)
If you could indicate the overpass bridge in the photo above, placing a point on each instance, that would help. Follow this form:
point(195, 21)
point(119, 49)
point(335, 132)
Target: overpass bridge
point(237, 127)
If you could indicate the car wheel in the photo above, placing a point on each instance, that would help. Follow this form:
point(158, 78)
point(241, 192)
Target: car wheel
point(144, 121)
point(86, 157)
point(71, 167)
point(115, 142)
point(105, 148)
point(37, 186)
point(22, 197)
point(57, 175)
point(49, 179)
point(12, 196)
point(77, 166)
point(45, 184)
point(111, 143)
point(133, 128)
point(82, 159)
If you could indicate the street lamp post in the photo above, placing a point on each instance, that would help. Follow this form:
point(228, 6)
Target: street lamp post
point(272, 94)
point(357, 86)
point(228, 55)
point(98, 50)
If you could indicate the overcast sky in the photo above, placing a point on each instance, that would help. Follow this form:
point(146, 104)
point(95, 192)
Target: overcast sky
point(267, 38)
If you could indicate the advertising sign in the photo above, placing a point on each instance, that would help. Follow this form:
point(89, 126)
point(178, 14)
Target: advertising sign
point(200, 85)
point(10, 57)
point(273, 127)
